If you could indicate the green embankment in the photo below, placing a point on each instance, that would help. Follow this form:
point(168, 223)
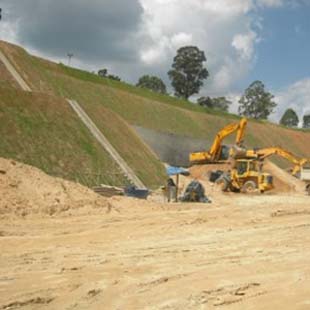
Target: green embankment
point(142, 160)
point(144, 108)
point(43, 131)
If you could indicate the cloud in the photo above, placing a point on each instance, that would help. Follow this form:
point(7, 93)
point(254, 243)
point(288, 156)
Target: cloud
point(8, 31)
point(296, 96)
point(244, 44)
point(136, 37)
point(93, 30)
point(221, 28)
point(270, 3)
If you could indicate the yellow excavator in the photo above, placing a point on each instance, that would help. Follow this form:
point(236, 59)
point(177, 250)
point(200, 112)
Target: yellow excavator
point(216, 152)
point(263, 153)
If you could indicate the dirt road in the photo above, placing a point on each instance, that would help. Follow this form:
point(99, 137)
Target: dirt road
point(236, 253)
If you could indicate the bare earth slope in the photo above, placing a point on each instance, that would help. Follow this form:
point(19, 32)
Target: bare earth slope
point(26, 190)
point(236, 253)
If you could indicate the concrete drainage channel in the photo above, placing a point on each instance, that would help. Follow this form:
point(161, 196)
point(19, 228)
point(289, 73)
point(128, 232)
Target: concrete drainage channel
point(128, 172)
point(14, 73)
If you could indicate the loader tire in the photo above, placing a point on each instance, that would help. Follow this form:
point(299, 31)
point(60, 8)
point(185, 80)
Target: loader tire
point(249, 187)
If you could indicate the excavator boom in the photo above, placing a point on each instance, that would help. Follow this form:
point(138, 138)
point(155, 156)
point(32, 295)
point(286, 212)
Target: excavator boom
point(226, 131)
point(214, 154)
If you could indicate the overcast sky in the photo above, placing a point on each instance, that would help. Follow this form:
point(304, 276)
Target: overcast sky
point(243, 40)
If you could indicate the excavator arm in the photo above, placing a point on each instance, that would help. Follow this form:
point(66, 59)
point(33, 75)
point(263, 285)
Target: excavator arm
point(266, 152)
point(223, 133)
point(214, 153)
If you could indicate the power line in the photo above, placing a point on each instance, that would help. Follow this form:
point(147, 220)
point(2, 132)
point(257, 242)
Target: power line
point(70, 55)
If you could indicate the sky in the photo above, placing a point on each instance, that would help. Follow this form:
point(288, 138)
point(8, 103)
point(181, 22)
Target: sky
point(243, 40)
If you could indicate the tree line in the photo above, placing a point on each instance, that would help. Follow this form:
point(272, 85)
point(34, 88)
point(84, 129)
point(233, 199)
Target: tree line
point(187, 76)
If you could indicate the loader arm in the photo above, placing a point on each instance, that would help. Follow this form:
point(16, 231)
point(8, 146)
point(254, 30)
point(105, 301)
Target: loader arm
point(266, 152)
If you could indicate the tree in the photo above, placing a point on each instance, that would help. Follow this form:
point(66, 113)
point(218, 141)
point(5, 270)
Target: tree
point(114, 77)
point(306, 121)
point(104, 73)
point(205, 102)
point(187, 73)
point(256, 102)
point(219, 103)
point(153, 83)
point(289, 118)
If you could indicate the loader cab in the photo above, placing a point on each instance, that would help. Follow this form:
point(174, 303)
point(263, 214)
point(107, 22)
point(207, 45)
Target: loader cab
point(248, 176)
point(247, 166)
point(242, 167)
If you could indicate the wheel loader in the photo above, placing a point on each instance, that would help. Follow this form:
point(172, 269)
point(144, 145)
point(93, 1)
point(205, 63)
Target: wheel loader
point(300, 169)
point(245, 176)
point(264, 153)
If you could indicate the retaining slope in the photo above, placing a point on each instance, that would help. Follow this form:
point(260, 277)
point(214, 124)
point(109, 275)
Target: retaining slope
point(128, 172)
point(106, 144)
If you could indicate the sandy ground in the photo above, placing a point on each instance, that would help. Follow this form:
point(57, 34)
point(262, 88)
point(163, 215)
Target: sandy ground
point(63, 247)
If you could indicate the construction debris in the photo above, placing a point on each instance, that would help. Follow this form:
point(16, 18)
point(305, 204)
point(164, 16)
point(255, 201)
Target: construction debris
point(108, 191)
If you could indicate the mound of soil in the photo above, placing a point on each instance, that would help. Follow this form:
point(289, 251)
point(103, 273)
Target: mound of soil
point(284, 182)
point(27, 190)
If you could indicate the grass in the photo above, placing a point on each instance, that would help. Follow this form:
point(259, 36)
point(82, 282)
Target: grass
point(128, 88)
point(41, 130)
point(107, 100)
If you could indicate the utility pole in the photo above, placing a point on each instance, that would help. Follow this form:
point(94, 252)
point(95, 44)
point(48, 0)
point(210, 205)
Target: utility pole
point(70, 55)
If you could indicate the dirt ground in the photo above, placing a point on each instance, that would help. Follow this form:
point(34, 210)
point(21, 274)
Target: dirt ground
point(64, 247)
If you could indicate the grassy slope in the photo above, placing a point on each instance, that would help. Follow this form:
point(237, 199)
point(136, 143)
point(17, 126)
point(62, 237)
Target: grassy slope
point(42, 130)
point(145, 108)
point(143, 162)
point(7, 79)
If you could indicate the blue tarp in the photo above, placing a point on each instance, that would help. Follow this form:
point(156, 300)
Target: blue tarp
point(176, 170)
